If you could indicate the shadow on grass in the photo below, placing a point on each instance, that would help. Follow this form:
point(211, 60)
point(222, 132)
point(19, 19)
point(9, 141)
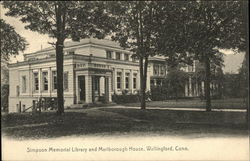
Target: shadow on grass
point(107, 121)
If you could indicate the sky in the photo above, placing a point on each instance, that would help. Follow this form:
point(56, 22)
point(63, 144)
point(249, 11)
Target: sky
point(37, 42)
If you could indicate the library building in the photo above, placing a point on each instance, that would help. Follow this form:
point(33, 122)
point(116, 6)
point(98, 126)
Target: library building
point(94, 69)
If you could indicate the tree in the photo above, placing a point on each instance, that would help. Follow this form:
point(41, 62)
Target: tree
point(175, 82)
point(11, 42)
point(140, 27)
point(214, 25)
point(61, 20)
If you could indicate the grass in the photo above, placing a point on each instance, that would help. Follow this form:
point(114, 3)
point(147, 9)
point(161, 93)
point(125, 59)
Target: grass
point(113, 121)
point(234, 103)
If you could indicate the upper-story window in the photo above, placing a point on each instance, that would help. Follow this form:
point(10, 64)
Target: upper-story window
point(118, 56)
point(71, 52)
point(36, 81)
point(24, 84)
point(45, 81)
point(109, 54)
point(126, 57)
point(134, 59)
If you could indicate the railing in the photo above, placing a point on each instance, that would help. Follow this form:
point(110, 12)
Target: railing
point(92, 65)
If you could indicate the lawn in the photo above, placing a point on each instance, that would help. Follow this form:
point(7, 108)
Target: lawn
point(123, 121)
point(232, 103)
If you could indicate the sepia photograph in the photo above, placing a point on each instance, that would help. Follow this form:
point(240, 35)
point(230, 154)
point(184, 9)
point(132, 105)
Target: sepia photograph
point(125, 80)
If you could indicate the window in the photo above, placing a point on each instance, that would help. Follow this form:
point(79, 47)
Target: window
point(23, 84)
point(156, 69)
point(109, 54)
point(54, 80)
point(118, 56)
point(36, 82)
point(127, 80)
point(65, 80)
point(45, 81)
point(162, 70)
point(126, 57)
point(71, 52)
point(133, 59)
point(134, 81)
point(119, 75)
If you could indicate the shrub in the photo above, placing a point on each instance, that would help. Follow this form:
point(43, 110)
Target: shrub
point(4, 97)
point(157, 94)
point(125, 98)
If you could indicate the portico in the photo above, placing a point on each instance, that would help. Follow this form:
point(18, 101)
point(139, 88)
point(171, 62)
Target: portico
point(93, 83)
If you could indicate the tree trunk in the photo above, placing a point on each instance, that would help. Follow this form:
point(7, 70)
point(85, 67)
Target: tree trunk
point(60, 25)
point(59, 66)
point(207, 84)
point(143, 104)
point(144, 83)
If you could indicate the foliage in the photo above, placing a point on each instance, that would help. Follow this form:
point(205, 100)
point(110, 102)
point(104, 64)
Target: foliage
point(214, 25)
point(125, 98)
point(231, 86)
point(175, 82)
point(61, 20)
point(158, 93)
point(148, 28)
point(11, 42)
point(4, 97)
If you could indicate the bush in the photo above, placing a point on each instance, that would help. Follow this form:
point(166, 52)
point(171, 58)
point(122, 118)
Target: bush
point(157, 94)
point(4, 97)
point(125, 98)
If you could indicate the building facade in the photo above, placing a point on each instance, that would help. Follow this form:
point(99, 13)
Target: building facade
point(93, 69)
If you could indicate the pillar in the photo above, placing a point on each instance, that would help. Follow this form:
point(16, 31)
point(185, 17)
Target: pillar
point(123, 83)
point(102, 86)
point(190, 86)
point(40, 81)
point(186, 88)
point(203, 88)
point(131, 81)
point(88, 87)
point(115, 81)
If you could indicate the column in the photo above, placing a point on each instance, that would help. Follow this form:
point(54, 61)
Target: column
point(40, 81)
point(186, 88)
point(88, 87)
point(190, 86)
point(109, 89)
point(77, 91)
point(102, 85)
point(138, 81)
point(115, 80)
point(203, 88)
point(131, 81)
point(49, 81)
point(122, 56)
point(123, 83)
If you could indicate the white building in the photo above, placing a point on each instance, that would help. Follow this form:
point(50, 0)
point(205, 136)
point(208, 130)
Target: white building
point(93, 68)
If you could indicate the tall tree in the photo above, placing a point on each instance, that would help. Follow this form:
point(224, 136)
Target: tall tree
point(214, 25)
point(139, 28)
point(11, 42)
point(61, 20)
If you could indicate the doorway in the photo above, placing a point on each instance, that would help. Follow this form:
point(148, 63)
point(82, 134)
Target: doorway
point(81, 84)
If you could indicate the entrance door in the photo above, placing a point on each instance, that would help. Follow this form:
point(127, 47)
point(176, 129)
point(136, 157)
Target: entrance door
point(81, 84)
